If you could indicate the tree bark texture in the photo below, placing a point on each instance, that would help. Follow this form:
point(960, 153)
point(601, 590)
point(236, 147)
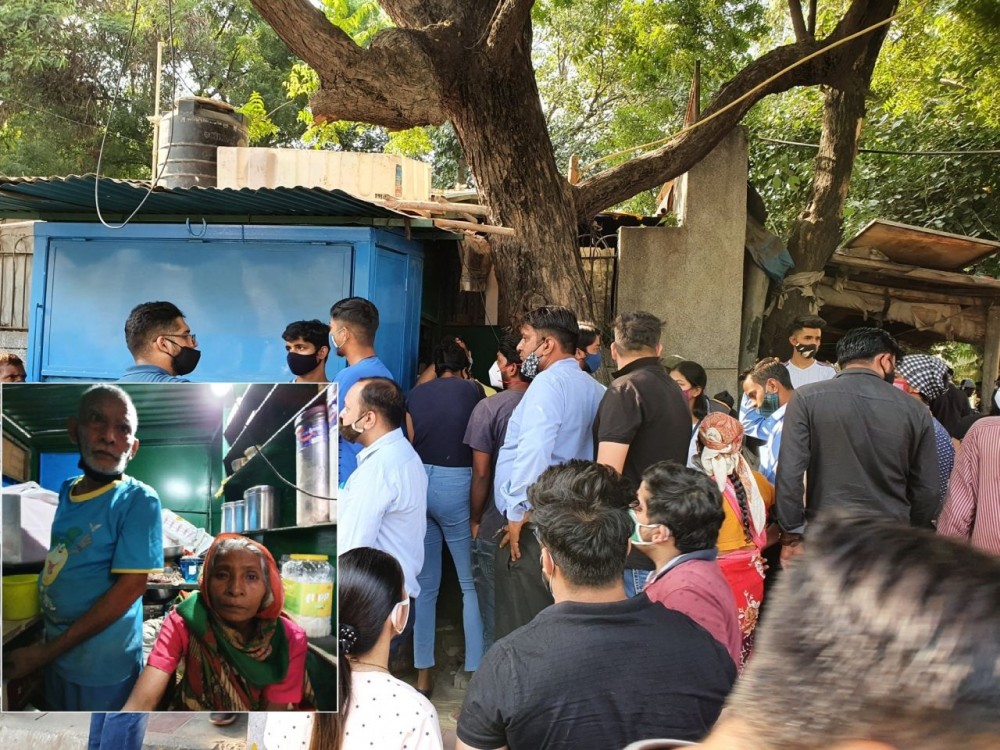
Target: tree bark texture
point(470, 62)
point(817, 230)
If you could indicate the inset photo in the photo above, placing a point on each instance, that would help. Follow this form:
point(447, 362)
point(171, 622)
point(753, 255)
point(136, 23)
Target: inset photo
point(169, 547)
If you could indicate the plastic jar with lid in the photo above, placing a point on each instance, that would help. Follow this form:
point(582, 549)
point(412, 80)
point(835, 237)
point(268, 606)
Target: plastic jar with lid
point(307, 581)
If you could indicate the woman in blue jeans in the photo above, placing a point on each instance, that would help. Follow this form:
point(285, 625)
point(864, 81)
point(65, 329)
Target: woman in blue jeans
point(438, 412)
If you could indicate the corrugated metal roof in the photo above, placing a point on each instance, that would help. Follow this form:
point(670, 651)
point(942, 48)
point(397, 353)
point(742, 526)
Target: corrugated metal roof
point(72, 198)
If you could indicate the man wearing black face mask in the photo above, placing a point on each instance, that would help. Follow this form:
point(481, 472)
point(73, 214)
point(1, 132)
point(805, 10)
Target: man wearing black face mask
point(307, 347)
point(805, 335)
point(161, 343)
point(867, 447)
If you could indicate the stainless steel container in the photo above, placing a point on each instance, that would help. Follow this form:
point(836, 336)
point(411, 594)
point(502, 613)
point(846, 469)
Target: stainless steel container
point(333, 425)
point(12, 528)
point(238, 515)
point(260, 508)
point(228, 517)
point(312, 466)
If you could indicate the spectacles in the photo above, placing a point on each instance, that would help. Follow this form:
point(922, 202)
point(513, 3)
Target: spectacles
point(191, 336)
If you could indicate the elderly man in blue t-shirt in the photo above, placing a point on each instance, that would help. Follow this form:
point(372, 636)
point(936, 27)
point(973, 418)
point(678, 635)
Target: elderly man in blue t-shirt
point(106, 537)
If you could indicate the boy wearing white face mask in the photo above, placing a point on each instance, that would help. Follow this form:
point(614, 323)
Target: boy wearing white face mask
point(677, 515)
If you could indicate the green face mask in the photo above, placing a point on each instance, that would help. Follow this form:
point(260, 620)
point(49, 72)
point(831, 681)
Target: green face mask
point(636, 537)
point(769, 405)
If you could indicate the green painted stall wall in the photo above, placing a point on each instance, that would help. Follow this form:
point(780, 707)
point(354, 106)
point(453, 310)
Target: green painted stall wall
point(184, 476)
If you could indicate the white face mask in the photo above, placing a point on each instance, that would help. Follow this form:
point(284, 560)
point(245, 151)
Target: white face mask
point(636, 537)
point(405, 604)
point(496, 379)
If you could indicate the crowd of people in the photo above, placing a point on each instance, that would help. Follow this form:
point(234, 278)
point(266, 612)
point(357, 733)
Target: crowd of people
point(819, 557)
point(616, 546)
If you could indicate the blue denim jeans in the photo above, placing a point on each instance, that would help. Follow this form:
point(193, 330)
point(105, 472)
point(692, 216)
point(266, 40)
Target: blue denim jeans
point(635, 579)
point(483, 553)
point(117, 731)
point(447, 522)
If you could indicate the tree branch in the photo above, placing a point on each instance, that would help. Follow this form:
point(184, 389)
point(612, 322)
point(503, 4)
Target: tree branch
point(390, 84)
point(619, 183)
point(811, 22)
point(798, 22)
point(508, 26)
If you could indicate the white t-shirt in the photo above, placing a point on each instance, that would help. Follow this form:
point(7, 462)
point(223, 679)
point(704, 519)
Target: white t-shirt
point(388, 714)
point(287, 730)
point(817, 372)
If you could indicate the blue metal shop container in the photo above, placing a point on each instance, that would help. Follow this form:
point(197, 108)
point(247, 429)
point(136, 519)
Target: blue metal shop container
point(238, 285)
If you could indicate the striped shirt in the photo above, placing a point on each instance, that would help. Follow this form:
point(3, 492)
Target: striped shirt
point(972, 509)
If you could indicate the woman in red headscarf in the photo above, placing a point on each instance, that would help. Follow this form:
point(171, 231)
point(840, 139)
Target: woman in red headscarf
point(746, 500)
point(228, 643)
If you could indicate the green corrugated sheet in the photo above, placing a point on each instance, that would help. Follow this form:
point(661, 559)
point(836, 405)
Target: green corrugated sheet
point(72, 199)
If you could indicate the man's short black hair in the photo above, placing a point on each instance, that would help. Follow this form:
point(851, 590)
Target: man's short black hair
point(384, 397)
point(558, 322)
point(360, 315)
point(806, 321)
point(771, 368)
point(637, 331)
point(877, 632)
point(581, 514)
point(864, 344)
point(315, 332)
point(147, 321)
point(685, 501)
point(588, 334)
point(449, 356)
point(508, 348)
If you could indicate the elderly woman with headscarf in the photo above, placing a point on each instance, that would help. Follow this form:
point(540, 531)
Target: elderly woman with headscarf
point(746, 499)
point(229, 644)
point(925, 378)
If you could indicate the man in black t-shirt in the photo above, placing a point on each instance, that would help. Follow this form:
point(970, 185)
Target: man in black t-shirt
point(643, 417)
point(596, 669)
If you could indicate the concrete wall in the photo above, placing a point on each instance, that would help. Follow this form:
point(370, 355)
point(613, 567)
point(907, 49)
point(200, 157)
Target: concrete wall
point(691, 276)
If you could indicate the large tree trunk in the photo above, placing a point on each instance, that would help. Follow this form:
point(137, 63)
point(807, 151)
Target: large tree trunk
point(817, 230)
point(470, 62)
point(499, 121)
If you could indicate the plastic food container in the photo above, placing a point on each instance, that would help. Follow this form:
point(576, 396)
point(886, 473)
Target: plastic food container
point(20, 596)
point(308, 584)
point(191, 568)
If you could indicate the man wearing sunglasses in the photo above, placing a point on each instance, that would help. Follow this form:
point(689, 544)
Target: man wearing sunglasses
point(161, 343)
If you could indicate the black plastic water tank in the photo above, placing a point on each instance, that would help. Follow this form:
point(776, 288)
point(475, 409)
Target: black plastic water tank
point(189, 137)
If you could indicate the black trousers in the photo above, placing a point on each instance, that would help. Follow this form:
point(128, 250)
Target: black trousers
point(520, 589)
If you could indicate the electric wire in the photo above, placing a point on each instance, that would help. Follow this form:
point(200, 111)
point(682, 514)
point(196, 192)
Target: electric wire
point(260, 452)
point(114, 102)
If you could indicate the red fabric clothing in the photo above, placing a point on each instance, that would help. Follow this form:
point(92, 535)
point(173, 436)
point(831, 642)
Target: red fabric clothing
point(172, 644)
point(744, 572)
point(698, 589)
point(972, 508)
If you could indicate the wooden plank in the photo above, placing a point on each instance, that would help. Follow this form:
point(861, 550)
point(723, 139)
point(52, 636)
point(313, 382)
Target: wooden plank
point(900, 271)
point(909, 295)
point(929, 248)
point(436, 207)
point(470, 226)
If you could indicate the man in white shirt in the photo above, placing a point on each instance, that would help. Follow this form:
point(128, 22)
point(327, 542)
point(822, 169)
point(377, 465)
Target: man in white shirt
point(805, 335)
point(384, 504)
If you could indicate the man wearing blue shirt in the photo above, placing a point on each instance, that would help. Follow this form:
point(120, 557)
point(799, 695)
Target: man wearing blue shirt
point(106, 538)
point(161, 343)
point(353, 324)
point(767, 390)
point(552, 424)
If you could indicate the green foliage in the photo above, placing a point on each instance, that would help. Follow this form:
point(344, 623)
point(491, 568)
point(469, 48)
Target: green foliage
point(933, 89)
point(60, 66)
point(259, 125)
